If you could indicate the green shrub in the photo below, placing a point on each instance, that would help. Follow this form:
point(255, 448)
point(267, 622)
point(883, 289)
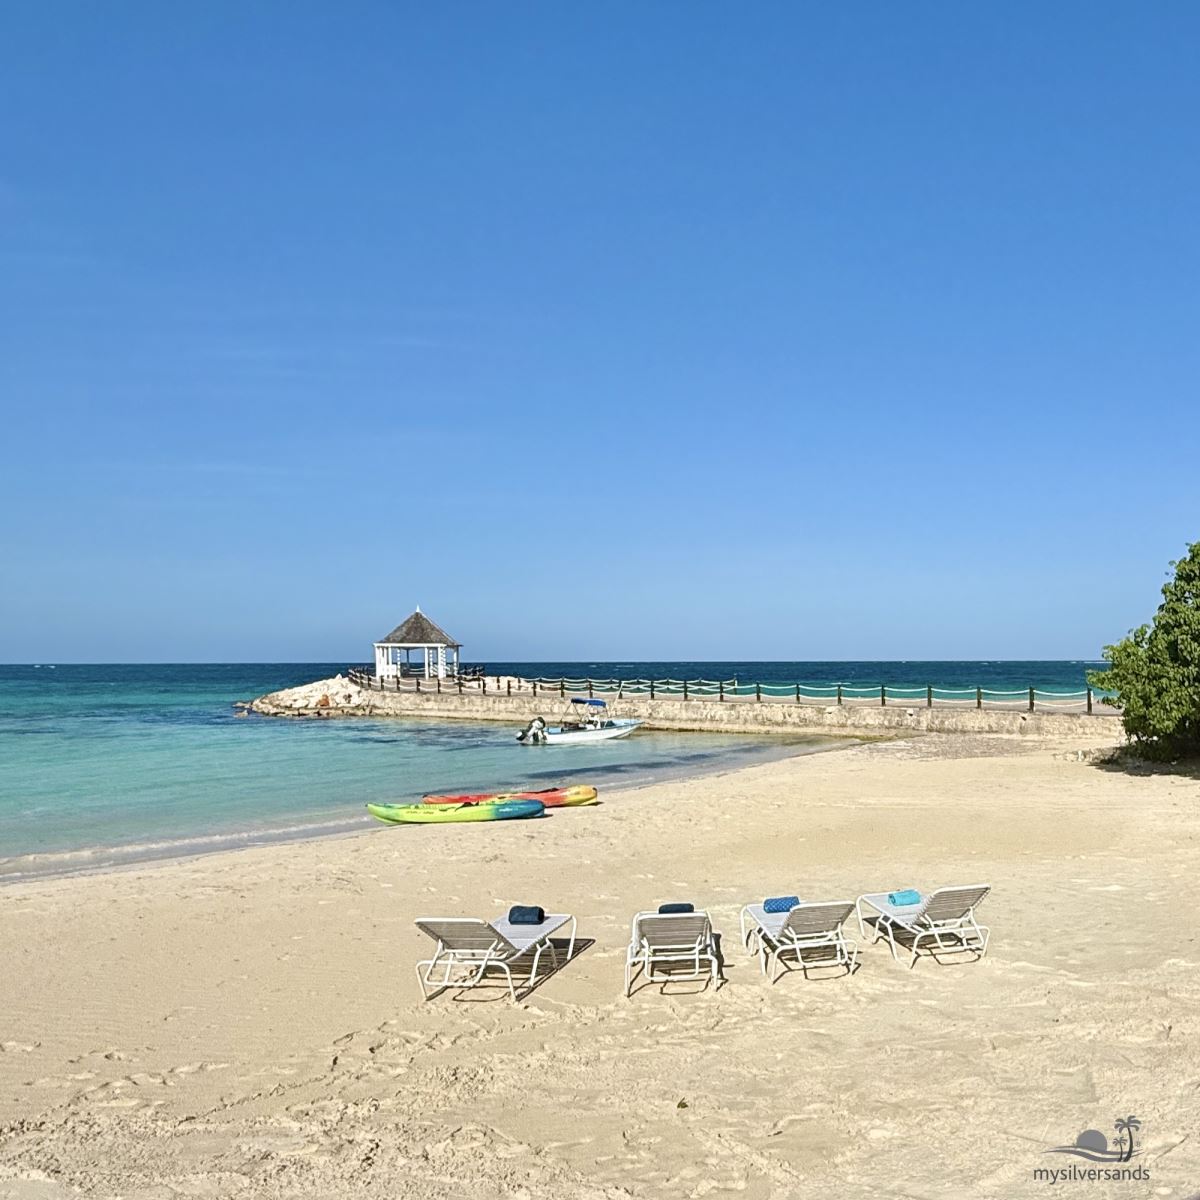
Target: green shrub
point(1155, 671)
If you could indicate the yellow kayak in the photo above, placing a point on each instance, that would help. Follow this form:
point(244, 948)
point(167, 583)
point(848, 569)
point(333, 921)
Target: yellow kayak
point(432, 814)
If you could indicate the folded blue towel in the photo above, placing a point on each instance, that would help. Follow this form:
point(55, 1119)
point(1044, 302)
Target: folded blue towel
point(683, 907)
point(906, 896)
point(778, 904)
point(526, 914)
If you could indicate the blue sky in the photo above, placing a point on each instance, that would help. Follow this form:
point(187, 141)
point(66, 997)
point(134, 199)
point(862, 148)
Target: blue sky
point(614, 331)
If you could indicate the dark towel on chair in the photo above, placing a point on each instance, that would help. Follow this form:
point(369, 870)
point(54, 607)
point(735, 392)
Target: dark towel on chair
point(526, 914)
point(683, 907)
point(780, 904)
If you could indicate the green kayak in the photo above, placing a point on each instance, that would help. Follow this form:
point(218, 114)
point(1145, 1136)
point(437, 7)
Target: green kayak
point(443, 814)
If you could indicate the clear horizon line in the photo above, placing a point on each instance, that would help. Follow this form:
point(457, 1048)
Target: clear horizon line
point(306, 662)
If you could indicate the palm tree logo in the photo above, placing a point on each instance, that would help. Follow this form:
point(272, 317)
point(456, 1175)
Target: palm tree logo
point(1094, 1146)
point(1126, 1126)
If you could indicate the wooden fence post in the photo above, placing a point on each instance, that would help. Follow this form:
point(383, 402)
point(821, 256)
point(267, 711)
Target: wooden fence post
point(839, 687)
point(485, 685)
point(883, 695)
point(508, 685)
point(589, 689)
point(418, 684)
point(652, 689)
point(562, 687)
point(758, 692)
point(460, 685)
point(1089, 702)
point(439, 685)
point(534, 689)
point(685, 692)
point(797, 693)
point(721, 690)
point(1031, 699)
point(929, 696)
point(979, 697)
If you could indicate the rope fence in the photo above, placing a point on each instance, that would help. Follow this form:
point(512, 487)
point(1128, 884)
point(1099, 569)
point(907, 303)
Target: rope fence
point(733, 690)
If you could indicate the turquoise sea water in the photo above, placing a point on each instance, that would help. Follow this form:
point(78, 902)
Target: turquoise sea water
point(103, 763)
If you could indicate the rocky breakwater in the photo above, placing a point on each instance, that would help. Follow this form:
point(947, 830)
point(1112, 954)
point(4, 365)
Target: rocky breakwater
point(324, 698)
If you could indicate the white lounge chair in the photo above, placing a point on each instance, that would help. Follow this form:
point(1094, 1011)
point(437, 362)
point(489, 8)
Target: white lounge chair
point(945, 918)
point(468, 949)
point(681, 945)
point(814, 927)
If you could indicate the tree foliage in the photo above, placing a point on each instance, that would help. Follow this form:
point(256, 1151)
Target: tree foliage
point(1155, 671)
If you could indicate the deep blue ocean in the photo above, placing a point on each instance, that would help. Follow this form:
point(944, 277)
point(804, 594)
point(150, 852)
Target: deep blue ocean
point(100, 763)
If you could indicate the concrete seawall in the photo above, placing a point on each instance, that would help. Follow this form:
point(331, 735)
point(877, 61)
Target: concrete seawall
point(340, 697)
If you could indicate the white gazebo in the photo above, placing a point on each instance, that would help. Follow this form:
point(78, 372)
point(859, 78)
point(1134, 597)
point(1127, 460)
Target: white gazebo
point(393, 654)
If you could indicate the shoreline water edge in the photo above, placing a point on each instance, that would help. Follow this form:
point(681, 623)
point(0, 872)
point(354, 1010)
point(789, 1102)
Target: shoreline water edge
point(111, 765)
point(740, 752)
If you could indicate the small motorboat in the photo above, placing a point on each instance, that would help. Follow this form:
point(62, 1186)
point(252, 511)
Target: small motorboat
point(588, 720)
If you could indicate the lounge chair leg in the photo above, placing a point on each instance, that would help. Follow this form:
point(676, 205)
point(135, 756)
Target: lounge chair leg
point(891, 935)
point(531, 983)
point(512, 991)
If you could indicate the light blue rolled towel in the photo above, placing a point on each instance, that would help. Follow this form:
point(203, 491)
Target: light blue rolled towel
point(905, 897)
point(780, 904)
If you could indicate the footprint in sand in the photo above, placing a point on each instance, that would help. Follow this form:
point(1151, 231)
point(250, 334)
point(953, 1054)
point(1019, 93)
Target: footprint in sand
point(192, 1068)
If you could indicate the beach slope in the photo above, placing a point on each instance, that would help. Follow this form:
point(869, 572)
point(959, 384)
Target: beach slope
point(248, 1024)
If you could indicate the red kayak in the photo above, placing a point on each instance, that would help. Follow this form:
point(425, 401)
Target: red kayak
point(551, 797)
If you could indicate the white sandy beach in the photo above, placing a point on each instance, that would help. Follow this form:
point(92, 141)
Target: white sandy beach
point(248, 1024)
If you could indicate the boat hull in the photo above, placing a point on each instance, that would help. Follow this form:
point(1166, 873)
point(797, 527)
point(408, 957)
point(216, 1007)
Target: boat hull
point(449, 814)
point(576, 737)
